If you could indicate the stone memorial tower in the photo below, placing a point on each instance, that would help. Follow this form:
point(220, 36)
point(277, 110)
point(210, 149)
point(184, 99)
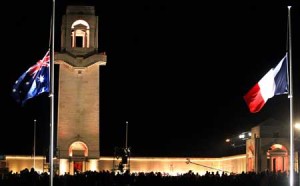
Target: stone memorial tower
point(78, 103)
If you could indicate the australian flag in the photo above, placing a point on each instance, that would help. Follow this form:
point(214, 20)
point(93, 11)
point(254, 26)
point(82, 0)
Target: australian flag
point(33, 82)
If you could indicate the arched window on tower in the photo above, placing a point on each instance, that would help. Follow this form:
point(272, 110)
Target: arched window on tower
point(80, 36)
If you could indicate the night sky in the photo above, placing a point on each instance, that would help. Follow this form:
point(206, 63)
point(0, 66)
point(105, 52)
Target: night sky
point(176, 71)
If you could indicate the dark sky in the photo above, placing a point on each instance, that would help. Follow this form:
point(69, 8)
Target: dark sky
point(176, 71)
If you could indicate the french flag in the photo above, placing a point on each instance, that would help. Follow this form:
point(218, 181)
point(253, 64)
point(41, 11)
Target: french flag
point(275, 82)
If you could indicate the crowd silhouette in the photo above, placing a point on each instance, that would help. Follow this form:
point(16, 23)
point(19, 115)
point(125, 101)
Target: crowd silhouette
point(30, 177)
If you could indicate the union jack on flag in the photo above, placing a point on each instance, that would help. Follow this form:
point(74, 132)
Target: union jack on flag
point(33, 82)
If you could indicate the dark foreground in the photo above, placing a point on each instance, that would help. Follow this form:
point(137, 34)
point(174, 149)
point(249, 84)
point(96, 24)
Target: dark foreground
point(106, 178)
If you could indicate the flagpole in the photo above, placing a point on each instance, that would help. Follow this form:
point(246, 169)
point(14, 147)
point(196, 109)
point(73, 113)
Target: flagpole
point(52, 96)
point(291, 99)
point(34, 139)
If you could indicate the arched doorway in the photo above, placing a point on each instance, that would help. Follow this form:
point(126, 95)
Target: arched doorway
point(78, 152)
point(277, 157)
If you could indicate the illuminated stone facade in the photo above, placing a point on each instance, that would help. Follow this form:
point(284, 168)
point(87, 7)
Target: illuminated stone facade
point(169, 165)
point(179, 165)
point(269, 148)
point(78, 121)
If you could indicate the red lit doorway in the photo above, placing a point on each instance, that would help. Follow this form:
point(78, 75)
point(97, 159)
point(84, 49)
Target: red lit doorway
point(78, 166)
